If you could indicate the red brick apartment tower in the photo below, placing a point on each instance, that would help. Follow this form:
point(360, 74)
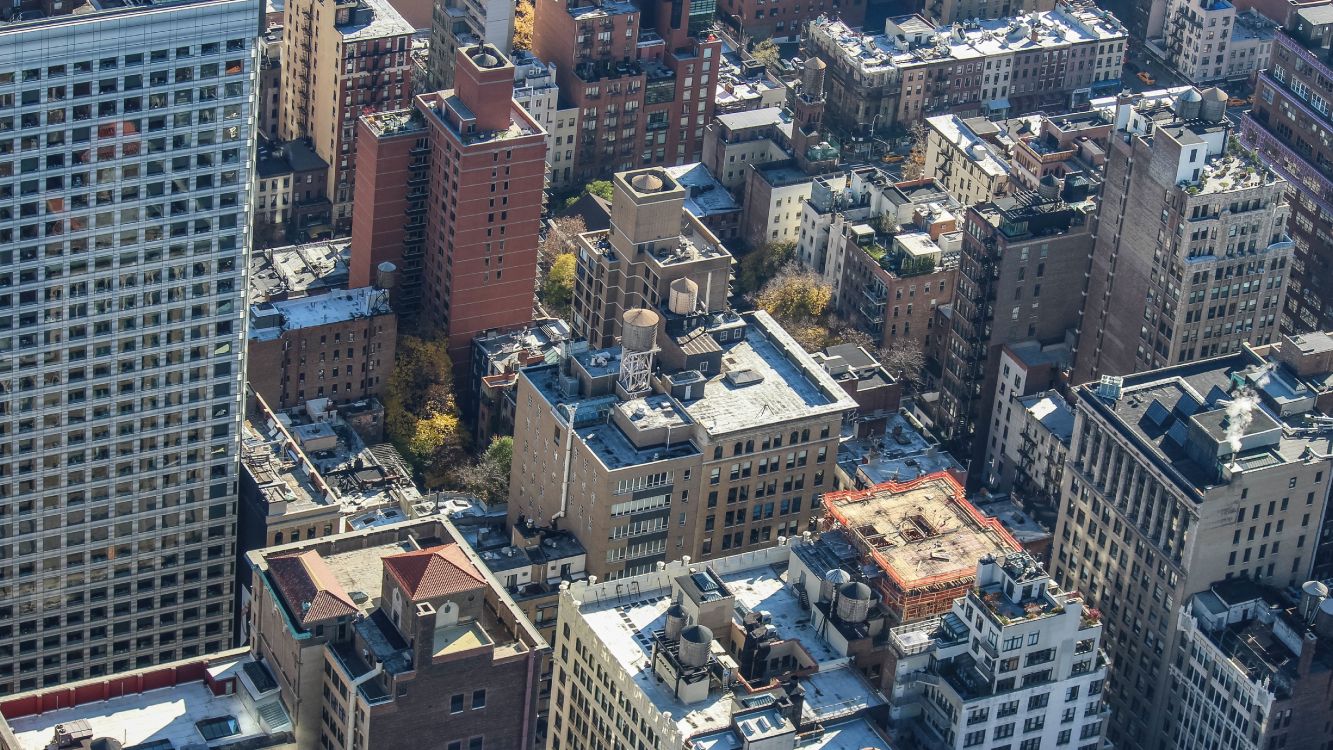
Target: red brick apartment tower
point(452, 198)
point(645, 90)
point(489, 158)
point(389, 217)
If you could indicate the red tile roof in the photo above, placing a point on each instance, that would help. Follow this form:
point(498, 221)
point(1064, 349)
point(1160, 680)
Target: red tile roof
point(309, 588)
point(435, 572)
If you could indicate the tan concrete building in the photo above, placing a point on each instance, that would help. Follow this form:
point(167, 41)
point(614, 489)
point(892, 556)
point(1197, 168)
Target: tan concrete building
point(341, 61)
point(724, 448)
point(1178, 478)
point(653, 241)
point(393, 636)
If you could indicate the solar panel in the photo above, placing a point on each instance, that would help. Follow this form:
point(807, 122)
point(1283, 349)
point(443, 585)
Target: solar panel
point(1187, 404)
point(1178, 433)
point(1157, 413)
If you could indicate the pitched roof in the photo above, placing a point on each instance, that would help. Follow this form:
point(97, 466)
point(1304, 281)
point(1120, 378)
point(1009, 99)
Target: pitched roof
point(309, 588)
point(434, 572)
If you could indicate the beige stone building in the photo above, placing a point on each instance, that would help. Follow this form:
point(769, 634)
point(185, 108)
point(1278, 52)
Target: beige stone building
point(653, 240)
point(1177, 478)
point(972, 168)
point(340, 61)
point(726, 449)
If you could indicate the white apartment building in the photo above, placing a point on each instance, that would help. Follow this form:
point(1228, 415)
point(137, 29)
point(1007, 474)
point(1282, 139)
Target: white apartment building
point(459, 23)
point(1210, 40)
point(127, 135)
point(973, 169)
point(1015, 663)
point(536, 89)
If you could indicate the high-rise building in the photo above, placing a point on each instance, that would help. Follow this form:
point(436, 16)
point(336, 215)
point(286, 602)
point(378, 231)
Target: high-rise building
point(456, 24)
point(339, 63)
point(451, 195)
point(643, 78)
point(1192, 231)
point(125, 235)
point(1287, 105)
point(395, 635)
point(1268, 662)
point(1177, 478)
point(1014, 657)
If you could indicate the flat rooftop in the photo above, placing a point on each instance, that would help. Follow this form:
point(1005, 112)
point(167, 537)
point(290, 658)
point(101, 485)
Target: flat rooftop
point(1053, 412)
point(957, 134)
point(793, 385)
point(705, 196)
point(625, 627)
point(170, 714)
point(901, 453)
point(922, 530)
point(298, 270)
point(270, 320)
point(1168, 411)
point(380, 20)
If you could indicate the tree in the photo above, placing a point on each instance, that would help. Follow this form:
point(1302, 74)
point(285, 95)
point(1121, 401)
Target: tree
point(767, 52)
point(561, 235)
point(419, 410)
point(488, 476)
point(798, 300)
point(915, 166)
point(762, 264)
point(524, 15)
point(904, 360)
point(557, 288)
point(600, 188)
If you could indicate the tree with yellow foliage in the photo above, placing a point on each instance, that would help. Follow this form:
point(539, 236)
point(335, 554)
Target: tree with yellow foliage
point(799, 300)
point(524, 15)
point(419, 410)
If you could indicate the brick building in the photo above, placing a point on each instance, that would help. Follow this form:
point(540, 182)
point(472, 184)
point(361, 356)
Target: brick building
point(395, 635)
point(1053, 61)
point(453, 199)
point(1302, 61)
point(1020, 277)
point(338, 346)
point(644, 83)
point(756, 19)
point(339, 63)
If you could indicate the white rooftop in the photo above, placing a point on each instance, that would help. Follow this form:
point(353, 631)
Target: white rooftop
point(626, 625)
point(165, 714)
point(977, 150)
point(969, 41)
point(900, 454)
point(337, 306)
point(786, 391)
point(384, 21)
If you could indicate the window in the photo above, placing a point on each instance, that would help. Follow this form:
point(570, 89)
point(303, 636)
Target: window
point(456, 704)
point(478, 699)
point(218, 727)
point(972, 739)
point(475, 743)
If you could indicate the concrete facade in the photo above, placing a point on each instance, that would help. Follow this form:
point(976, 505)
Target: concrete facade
point(1177, 478)
point(1193, 230)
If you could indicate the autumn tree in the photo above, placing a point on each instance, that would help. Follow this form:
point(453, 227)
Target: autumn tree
point(420, 413)
point(798, 300)
point(767, 52)
point(557, 288)
point(914, 168)
point(759, 265)
point(488, 476)
point(525, 14)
